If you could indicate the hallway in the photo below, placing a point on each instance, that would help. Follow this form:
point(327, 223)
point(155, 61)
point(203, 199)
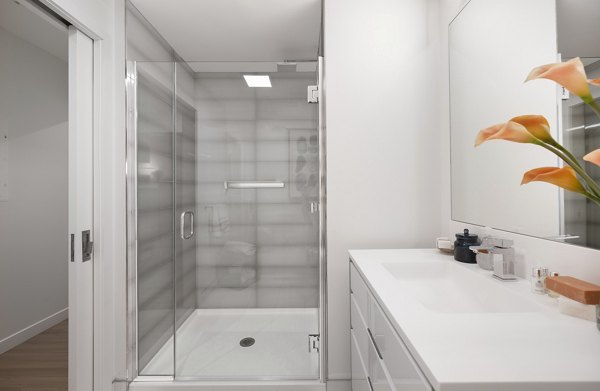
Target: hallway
point(38, 364)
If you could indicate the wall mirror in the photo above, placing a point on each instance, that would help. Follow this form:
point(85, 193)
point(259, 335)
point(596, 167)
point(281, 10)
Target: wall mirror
point(492, 47)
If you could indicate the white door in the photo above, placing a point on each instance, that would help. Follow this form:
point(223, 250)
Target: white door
point(81, 272)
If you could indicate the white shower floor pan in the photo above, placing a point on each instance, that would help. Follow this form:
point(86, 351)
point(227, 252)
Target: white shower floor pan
point(207, 346)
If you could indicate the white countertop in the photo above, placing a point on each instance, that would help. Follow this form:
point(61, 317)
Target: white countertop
point(543, 350)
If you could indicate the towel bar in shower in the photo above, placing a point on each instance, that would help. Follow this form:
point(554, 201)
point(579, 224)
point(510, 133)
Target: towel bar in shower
point(253, 184)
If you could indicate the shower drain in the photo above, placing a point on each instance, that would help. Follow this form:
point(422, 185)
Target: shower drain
point(247, 342)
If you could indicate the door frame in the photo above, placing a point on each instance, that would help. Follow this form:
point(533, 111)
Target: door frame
point(81, 210)
point(93, 354)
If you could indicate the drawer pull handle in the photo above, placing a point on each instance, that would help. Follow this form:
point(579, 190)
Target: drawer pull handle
point(374, 343)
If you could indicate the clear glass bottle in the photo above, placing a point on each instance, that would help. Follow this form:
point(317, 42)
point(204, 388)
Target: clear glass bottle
point(551, 293)
point(538, 280)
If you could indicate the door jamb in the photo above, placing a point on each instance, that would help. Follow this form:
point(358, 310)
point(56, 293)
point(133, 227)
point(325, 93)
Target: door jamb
point(98, 277)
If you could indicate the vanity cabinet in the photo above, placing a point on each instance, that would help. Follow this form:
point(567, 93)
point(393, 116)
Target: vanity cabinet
point(380, 360)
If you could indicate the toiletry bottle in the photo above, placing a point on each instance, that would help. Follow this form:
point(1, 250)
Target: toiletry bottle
point(551, 293)
point(538, 280)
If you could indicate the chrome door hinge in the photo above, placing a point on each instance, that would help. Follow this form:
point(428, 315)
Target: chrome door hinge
point(314, 207)
point(123, 380)
point(314, 342)
point(313, 94)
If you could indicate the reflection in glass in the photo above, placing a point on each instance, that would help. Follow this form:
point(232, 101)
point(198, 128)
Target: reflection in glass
point(581, 135)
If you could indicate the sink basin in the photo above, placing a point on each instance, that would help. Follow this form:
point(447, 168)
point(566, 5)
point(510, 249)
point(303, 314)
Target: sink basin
point(446, 287)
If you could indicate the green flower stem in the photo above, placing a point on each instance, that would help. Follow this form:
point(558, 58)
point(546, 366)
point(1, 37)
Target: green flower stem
point(573, 161)
point(593, 186)
point(592, 197)
point(592, 103)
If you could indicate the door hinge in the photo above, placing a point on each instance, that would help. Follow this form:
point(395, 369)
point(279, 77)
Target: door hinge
point(124, 380)
point(314, 207)
point(314, 342)
point(313, 94)
point(564, 95)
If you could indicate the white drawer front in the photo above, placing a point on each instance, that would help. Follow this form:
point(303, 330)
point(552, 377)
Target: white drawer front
point(379, 380)
point(359, 370)
point(359, 290)
point(360, 330)
point(404, 372)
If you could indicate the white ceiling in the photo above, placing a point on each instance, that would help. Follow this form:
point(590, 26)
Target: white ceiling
point(237, 30)
point(28, 24)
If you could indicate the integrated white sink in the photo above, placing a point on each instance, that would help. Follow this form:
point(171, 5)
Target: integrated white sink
point(446, 287)
point(468, 331)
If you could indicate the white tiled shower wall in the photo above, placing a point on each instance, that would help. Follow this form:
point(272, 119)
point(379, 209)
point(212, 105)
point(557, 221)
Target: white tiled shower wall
point(256, 248)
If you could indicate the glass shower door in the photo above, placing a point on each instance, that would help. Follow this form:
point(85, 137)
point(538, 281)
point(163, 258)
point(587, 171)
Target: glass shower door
point(166, 209)
point(227, 256)
point(185, 202)
point(257, 231)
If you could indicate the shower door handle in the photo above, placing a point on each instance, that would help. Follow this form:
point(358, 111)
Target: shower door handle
point(182, 219)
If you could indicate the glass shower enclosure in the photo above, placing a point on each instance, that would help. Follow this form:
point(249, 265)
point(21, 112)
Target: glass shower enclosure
point(225, 222)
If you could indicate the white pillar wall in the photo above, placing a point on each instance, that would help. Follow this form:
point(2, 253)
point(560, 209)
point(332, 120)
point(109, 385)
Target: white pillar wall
point(382, 85)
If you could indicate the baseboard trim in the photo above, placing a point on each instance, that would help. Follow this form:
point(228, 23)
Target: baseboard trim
point(31, 331)
point(229, 386)
point(339, 385)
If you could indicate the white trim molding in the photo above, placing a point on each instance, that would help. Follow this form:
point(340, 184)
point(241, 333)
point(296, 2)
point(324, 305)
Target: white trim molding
point(32, 330)
point(228, 386)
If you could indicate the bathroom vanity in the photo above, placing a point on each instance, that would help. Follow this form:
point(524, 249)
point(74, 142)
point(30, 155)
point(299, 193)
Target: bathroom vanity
point(422, 321)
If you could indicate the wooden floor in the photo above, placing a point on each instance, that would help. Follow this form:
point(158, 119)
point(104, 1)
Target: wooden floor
point(39, 364)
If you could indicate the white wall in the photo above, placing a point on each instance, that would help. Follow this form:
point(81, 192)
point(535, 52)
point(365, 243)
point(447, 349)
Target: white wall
point(33, 222)
point(383, 182)
point(567, 259)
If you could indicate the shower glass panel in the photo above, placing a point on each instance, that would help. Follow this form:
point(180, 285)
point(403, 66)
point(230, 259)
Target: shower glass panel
point(155, 210)
point(228, 236)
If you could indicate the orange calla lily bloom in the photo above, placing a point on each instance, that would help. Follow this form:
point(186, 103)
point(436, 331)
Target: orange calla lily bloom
point(509, 131)
point(537, 125)
point(593, 157)
point(595, 82)
point(522, 129)
point(570, 74)
point(562, 177)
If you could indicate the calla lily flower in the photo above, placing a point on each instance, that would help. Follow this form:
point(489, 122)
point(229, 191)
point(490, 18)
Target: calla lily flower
point(595, 82)
point(509, 131)
point(537, 125)
point(570, 74)
point(593, 157)
point(522, 129)
point(564, 177)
